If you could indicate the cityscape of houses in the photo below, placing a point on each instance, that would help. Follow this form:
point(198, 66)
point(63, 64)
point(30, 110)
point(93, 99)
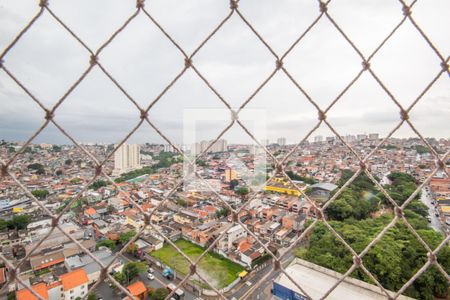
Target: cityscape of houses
point(57, 267)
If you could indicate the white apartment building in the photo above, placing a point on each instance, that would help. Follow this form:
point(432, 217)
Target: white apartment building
point(127, 158)
point(219, 146)
point(70, 286)
point(233, 234)
point(318, 139)
point(374, 136)
point(281, 141)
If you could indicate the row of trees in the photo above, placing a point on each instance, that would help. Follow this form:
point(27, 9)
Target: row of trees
point(134, 174)
point(165, 160)
point(398, 255)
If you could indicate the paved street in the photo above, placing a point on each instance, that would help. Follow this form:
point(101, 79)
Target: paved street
point(241, 289)
point(426, 199)
point(263, 291)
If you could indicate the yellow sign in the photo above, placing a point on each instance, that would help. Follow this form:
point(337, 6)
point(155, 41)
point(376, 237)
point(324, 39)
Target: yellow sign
point(17, 209)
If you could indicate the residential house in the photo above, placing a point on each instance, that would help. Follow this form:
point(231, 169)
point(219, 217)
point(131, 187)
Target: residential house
point(138, 290)
point(39, 288)
point(75, 284)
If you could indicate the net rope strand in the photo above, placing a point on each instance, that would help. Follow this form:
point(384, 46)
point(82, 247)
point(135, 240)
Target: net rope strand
point(189, 63)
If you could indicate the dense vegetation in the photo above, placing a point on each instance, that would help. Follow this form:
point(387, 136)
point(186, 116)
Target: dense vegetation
point(134, 174)
point(421, 149)
point(130, 271)
point(98, 184)
point(106, 243)
point(398, 255)
point(40, 194)
point(165, 160)
point(357, 201)
point(17, 222)
point(38, 168)
point(126, 236)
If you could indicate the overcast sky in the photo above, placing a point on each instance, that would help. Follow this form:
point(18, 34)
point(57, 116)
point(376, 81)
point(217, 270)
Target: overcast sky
point(48, 60)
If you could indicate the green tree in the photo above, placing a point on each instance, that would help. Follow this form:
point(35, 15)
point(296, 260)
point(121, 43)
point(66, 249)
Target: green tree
point(242, 191)
point(126, 236)
point(107, 243)
point(92, 297)
point(28, 150)
point(182, 202)
point(393, 260)
point(56, 148)
point(98, 184)
point(131, 270)
point(234, 183)
point(11, 296)
point(19, 222)
point(3, 224)
point(222, 212)
point(201, 163)
point(353, 203)
point(132, 248)
point(120, 277)
point(75, 180)
point(40, 194)
point(421, 149)
point(38, 168)
point(134, 174)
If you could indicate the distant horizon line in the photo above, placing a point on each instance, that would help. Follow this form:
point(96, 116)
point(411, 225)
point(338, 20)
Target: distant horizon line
point(312, 139)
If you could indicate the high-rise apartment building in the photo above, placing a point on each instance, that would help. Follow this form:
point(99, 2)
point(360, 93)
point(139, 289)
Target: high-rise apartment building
point(281, 141)
point(350, 138)
point(219, 146)
point(374, 136)
point(318, 139)
point(127, 158)
point(361, 137)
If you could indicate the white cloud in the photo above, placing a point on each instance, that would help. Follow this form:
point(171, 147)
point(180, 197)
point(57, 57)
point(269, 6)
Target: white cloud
point(48, 60)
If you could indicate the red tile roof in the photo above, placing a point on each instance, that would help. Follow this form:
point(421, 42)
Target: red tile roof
point(90, 211)
point(137, 288)
point(73, 279)
point(25, 294)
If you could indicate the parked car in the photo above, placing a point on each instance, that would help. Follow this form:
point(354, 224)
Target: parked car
point(150, 276)
point(150, 270)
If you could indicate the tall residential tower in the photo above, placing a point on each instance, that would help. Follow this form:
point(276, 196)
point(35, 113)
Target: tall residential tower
point(127, 158)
